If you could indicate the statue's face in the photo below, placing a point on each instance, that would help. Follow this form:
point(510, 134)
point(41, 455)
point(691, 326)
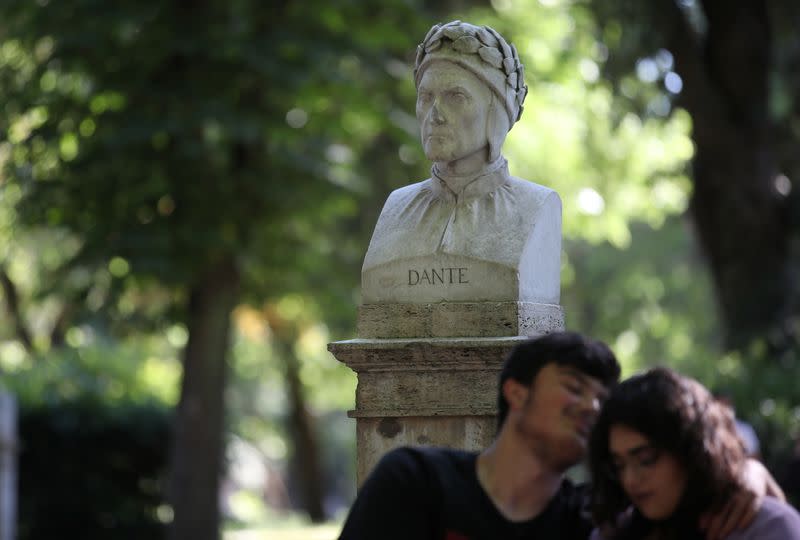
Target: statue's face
point(452, 110)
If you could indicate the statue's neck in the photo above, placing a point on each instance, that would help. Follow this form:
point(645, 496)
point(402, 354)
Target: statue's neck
point(456, 181)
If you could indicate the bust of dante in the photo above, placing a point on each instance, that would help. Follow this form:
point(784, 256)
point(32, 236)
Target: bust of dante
point(471, 232)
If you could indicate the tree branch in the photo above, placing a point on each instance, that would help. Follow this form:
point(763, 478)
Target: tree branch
point(12, 306)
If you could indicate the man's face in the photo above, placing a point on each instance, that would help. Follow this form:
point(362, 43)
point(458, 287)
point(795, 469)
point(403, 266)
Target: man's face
point(452, 109)
point(559, 412)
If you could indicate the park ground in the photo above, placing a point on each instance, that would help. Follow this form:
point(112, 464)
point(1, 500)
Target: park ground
point(289, 531)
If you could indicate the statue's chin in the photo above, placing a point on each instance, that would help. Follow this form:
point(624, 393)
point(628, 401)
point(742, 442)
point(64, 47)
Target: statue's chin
point(438, 153)
point(440, 150)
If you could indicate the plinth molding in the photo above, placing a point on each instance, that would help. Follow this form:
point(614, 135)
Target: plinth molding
point(458, 319)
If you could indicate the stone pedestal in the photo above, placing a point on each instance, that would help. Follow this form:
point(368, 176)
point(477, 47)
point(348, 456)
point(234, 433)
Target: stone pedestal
point(440, 389)
point(461, 266)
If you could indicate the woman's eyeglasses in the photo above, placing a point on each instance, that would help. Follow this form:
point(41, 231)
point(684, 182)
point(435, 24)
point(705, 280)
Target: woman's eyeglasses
point(641, 459)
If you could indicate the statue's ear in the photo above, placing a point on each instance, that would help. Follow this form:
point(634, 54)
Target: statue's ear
point(497, 126)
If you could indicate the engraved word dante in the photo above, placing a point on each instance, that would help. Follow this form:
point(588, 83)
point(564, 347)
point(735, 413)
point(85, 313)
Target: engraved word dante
point(438, 276)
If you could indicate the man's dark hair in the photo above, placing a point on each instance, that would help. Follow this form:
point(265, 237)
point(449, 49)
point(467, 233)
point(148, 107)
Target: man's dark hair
point(585, 354)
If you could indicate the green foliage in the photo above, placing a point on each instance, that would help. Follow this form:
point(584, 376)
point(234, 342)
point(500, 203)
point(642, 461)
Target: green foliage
point(92, 471)
point(604, 132)
point(109, 373)
point(610, 166)
point(141, 142)
point(736, 80)
point(651, 296)
point(647, 301)
point(94, 429)
point(630, 274)
point(258, 398)
point(167, 138)
point(762, 385)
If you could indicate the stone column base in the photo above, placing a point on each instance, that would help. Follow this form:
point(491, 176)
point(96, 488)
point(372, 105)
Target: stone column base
point(375, 435)
point(424, 391)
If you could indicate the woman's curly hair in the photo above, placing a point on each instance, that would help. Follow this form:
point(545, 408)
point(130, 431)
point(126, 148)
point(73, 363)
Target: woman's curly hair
point(677, 415)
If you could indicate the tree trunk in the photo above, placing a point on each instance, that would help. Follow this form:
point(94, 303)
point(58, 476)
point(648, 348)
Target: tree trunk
point(305, 460)
point(198, 437)
point(740, 217)
point(14, 311)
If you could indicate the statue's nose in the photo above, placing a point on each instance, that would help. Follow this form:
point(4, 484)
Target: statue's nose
point(436, 113)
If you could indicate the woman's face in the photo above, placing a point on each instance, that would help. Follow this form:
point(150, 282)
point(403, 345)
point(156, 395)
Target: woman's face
point(652, 478)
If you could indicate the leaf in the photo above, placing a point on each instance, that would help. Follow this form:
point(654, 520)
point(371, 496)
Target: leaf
point(430, 33)
point(491, 56)
point(509, 65)
point(467, 45)
point(501, 42)
point(487, 38)
point(433, 46)
point(453, 31)
point(512, 80)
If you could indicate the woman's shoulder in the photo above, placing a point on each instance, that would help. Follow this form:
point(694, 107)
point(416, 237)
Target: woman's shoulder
point(775, 520)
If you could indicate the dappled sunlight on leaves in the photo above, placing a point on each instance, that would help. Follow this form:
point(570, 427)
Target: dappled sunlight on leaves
point(134, 371)
point(572, 137)
point(136, 153)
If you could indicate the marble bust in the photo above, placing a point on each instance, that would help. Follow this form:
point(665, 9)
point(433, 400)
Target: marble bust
point(471, 232)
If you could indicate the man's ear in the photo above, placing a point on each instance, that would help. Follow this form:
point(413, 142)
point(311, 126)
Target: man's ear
point(515, 393)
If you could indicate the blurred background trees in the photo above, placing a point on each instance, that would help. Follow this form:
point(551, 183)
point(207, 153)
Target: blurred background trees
point(187, 191)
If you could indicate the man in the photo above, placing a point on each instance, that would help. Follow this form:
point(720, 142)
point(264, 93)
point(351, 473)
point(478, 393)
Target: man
point(550, 393)
point(489, 236)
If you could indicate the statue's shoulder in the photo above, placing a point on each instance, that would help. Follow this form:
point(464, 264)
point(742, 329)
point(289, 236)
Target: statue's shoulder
point(411, 190)
point(532, 193)
point(410, 194)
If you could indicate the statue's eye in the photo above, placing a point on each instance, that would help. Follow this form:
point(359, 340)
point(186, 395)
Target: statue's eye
point(424, 97)
point(458, 96)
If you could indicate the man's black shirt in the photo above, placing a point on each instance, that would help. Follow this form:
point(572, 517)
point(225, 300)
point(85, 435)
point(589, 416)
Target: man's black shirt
point(434, 494)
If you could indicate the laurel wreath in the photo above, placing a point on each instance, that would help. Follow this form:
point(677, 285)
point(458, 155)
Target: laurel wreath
point(486, 43)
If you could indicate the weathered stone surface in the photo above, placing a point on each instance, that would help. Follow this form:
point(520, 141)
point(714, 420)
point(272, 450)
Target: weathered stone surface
point(471, 232)
point(436, 391)
point(432, 354)
point(500, 243)
point(426, 393)
point(461, 267)
point(459, 319)
point(376, 436)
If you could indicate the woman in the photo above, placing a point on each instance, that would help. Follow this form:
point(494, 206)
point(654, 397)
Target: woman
point(662, 454)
